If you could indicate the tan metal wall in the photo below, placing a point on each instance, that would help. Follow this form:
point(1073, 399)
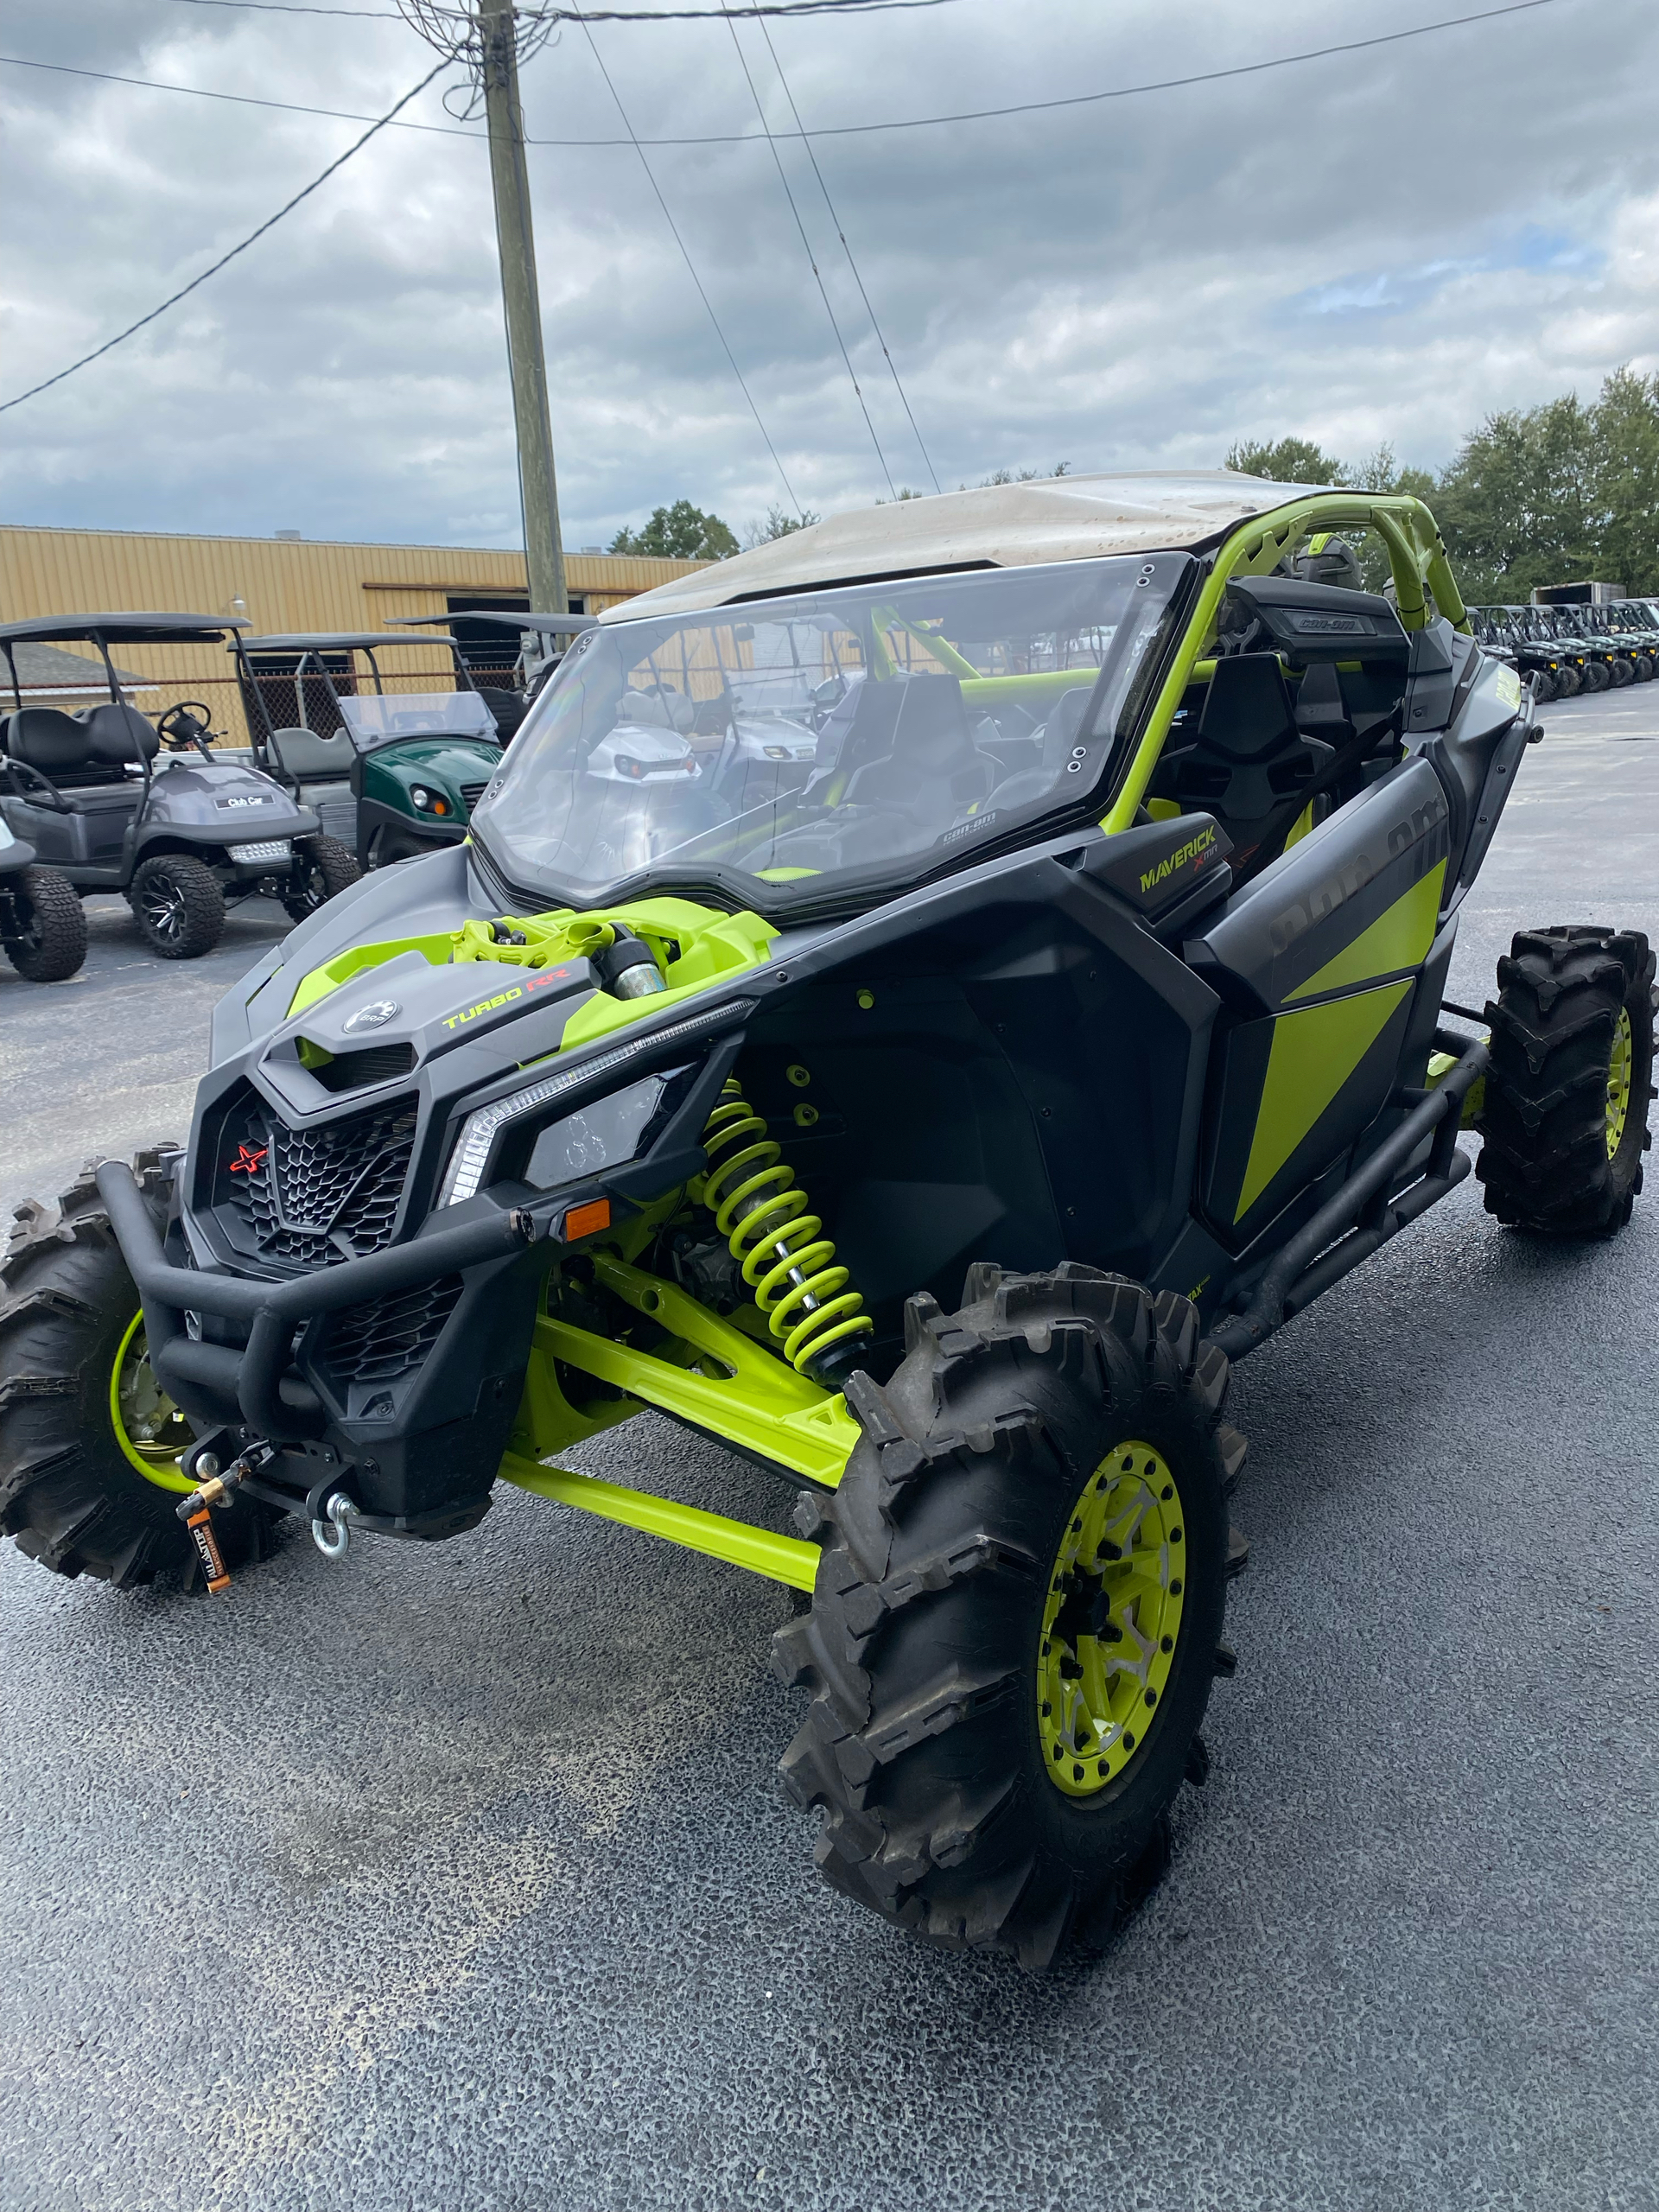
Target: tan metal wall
point(277, 584)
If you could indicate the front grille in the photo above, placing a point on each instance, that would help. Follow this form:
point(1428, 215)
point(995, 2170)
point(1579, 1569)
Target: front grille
point(315, 1196)
point(379, 1343)
point(470, 795)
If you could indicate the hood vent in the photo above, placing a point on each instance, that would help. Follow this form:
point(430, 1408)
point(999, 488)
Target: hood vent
point(374, 1064)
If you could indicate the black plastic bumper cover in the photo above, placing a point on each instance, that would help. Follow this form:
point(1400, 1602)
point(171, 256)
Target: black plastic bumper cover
point(275, 1406)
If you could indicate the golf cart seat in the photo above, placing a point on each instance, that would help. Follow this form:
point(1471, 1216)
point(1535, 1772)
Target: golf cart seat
point(83, 761)
point(318, 770)
point(118, 733)
point(1248, 758)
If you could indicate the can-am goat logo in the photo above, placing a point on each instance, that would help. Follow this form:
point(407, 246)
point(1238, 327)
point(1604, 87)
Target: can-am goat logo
point(1192, 850)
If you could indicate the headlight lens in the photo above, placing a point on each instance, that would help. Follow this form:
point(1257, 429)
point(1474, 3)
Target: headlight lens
point(605, 1122)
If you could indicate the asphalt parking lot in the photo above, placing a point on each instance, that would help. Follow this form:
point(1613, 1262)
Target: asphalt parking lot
point(460, 1876)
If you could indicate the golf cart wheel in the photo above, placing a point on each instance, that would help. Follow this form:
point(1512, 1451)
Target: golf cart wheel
point(51, 941)
point(89, 1446)
point(1565, 1113)
point(1018, 1611)
point(178, 904)
point(322, 868)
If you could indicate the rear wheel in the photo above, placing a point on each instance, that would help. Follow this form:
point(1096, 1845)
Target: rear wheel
point(1018, 1610)
point(1596, 676)
point(1543, 686)
point(1621, 671)
point(322, 868)
point(1564, 1117)
point(178, 904)
point(48, 924)
point(89, 1444)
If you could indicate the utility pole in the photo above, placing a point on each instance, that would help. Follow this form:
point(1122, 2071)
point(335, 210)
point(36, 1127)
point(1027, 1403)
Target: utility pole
point(538, 491)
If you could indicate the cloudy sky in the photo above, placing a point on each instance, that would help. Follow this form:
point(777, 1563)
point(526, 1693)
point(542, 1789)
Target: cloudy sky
point(1382, 245)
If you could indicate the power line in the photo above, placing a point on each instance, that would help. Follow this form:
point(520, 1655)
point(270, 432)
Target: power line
point(811, 259)
point(766, 33)
point(691, 266)
point(554, 15)
point(852, 130)
point(183, 293)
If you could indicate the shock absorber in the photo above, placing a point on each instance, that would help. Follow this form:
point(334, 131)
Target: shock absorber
point(761, 1212)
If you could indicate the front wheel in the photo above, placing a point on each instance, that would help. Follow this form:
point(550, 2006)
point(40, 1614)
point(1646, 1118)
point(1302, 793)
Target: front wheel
point(47, 938)
point(1563, 1114)
point(322, 868)
point(1018, 1611)
point(178, 906)
point(90, 1446)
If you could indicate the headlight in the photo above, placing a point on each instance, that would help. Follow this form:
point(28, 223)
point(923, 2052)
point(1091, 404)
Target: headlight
point(429, 802)
point(470, 1161)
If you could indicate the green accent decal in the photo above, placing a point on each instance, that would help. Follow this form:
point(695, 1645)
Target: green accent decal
point(149, 1427)
point(783, 1559)
point(1111, 1620)
point(1399, 938)
point(1314, 1052)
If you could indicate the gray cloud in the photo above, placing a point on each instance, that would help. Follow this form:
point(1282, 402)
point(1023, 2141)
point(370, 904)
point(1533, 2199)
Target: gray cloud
point(1384, 245)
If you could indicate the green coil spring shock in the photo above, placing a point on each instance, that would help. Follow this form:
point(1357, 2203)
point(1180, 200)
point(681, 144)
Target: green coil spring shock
point(762, 1214)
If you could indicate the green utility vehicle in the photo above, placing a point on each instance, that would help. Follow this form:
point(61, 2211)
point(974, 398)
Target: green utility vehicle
point(930, 1121)
point(390, 740)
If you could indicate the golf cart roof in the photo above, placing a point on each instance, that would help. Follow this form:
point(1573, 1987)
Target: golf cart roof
point(331, 641)
point(999, 525)
point(549, 626)
point(131, 629)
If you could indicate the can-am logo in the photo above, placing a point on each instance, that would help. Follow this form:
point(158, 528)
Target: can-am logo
point(375, 1015)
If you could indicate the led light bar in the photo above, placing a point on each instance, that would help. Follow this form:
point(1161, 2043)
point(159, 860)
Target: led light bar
point(268, 848)
point(464, 1176)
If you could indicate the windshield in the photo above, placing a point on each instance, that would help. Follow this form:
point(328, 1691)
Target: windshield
point(372, 719)
point(848, 736)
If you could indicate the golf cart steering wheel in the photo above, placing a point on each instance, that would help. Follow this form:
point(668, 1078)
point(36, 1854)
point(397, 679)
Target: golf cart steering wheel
point(189, 723)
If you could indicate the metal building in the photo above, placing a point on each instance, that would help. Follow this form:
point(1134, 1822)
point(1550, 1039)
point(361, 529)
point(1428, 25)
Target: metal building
point(280, 584)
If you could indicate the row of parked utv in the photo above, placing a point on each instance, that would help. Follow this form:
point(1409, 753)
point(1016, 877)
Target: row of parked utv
point(1562, 651)
point(347, 768)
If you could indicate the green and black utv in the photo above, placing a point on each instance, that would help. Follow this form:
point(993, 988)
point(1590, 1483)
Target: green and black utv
point(929, 1115)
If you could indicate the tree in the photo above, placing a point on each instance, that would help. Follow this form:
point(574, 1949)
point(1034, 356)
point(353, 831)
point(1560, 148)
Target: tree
point(1627, 481)
point(681, 533)
point(1287, 461)
point(779, 523)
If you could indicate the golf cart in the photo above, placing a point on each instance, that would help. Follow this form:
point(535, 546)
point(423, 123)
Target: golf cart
point(543, 642)
point(43, 926)
point(179, 838)
point(391, 770)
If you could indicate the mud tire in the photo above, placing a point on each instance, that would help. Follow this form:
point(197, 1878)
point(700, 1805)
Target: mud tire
point(1544, 1160)
point(53, 943)
point(69, 1496)
point(921, 1744)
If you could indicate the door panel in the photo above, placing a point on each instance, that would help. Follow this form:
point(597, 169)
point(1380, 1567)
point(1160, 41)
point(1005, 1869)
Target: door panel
point(1320, 955)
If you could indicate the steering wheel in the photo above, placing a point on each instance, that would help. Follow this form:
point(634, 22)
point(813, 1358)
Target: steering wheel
point(189, 723)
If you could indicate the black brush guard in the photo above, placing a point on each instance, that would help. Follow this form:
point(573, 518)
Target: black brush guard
point(276, 1405)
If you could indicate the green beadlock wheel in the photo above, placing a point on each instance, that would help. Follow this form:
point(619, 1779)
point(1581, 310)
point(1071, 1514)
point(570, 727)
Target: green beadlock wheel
point(150, 1428)
point(1112, 1620)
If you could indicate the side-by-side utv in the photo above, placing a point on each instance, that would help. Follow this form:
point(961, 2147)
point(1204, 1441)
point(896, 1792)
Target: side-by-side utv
point(180, 835)
point(931, 1125)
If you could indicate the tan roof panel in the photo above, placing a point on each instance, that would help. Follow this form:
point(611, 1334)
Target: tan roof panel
point(1054, 518)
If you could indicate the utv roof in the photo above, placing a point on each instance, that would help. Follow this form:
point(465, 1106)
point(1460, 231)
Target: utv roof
point(998, 527)
point(132, 629)
point(334, 641)
point(549, 626)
